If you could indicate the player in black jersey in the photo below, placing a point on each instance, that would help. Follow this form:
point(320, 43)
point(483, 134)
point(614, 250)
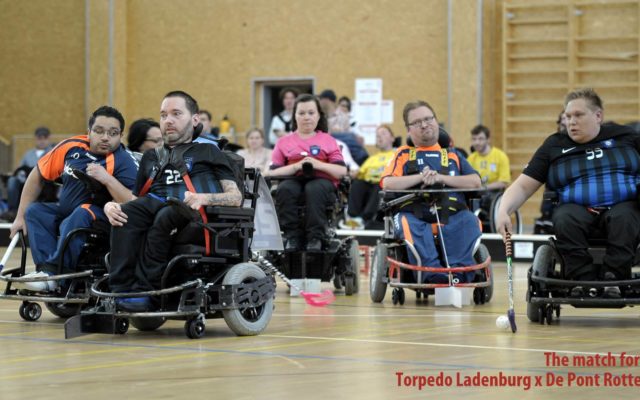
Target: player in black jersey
point(594, 168)
point(198, 174)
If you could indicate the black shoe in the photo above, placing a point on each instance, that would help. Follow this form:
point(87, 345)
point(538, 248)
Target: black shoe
point(293, 244)
point(314, 245)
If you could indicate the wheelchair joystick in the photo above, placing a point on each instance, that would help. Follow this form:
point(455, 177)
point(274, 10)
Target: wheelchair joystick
point(307, 170)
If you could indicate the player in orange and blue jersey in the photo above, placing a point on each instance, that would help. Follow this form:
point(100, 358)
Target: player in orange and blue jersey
point(100, 155)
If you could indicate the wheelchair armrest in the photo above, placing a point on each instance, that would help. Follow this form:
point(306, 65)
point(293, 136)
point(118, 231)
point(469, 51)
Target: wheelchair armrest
point(230, 212)
point(391, 200)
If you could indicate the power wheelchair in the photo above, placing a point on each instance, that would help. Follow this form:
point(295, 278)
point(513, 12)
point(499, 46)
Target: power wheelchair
point(548, 287)
point(487, 211)
point(196, 285)
point(390, 265)
point(339, 260)
point(72, 292)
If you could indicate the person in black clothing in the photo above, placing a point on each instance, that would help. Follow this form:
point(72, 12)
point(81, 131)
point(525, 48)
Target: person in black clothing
point(594, 168)
point(196, 173)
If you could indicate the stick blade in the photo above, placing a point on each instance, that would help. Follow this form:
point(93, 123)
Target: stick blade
point(512, 320)
point(318, 299)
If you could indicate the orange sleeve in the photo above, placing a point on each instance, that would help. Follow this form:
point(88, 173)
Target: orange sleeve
point(51, 165)
point(396, 165)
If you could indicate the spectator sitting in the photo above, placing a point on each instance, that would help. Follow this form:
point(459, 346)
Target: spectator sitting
point(16, 182)
point(491, 163)
point(144, 134)
point(351, 164)
point(256, 155)
point(209, 135)
point(338, 123)
point(363, 196)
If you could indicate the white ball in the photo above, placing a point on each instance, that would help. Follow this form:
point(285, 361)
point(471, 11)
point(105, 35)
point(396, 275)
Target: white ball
point(502, 322)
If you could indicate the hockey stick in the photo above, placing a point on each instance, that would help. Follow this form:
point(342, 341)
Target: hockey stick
point(7, 253)
point(509, 251)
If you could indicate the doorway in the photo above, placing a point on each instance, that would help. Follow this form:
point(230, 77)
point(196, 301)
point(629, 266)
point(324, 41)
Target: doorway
point(266, 97)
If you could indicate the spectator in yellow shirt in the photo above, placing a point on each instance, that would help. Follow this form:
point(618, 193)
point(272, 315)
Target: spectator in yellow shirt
point(491, 163)
point(363, 196)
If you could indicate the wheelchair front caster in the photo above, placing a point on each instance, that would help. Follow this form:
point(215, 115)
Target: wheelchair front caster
point(30, 311)
point(397, 296)
point(121, 326)
point(479, 295)
point(549, 314)
point(194, 328)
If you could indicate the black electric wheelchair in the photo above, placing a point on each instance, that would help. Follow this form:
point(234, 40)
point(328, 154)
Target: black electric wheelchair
point(339, 260)
point(196, 285)
point(390, 265)
point(548, 288)
point(72, 292)
point(487, 211)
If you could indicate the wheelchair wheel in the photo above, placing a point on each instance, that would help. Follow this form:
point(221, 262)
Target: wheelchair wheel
point(247, 321)
point(377, 283)
point(147, 324)
point(351, 281)
point(516, 218)
point(542, 267)
point(543, 264)
point(533, 312)
point(337, 281)
point(480, 256)
point(121, 326)
point(63, 310)
point(194, 328)
point(30, 311)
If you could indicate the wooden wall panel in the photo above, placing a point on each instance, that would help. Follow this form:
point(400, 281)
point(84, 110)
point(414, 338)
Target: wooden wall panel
point(42, 68)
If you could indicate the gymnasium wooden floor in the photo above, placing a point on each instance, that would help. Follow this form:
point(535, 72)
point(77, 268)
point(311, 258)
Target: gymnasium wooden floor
point(351, 349)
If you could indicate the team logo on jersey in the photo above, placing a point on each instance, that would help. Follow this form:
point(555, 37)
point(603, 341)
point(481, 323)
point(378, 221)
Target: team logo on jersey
point(607, 143)
point(188, 162)
point(315, 150)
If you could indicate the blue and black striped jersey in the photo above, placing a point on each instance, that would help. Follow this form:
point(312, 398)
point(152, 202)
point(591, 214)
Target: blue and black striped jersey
point(600, 173)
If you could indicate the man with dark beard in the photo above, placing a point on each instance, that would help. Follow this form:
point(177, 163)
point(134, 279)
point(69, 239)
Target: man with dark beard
point(196, 173)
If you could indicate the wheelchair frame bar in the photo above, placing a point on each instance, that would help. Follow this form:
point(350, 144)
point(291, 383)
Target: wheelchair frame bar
point(396, 266)
point(23, 279)
point(98, 293)
point(45, 299)
point(594, 284)
point(587, 302)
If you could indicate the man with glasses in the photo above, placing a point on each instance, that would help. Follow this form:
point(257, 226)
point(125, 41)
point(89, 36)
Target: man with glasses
point(426, 165)
point(100, 155)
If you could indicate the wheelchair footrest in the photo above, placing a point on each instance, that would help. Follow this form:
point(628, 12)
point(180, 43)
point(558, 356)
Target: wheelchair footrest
point(85, 324)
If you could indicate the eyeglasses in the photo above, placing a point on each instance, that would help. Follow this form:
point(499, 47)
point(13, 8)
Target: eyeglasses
point(111, 132)
point(419, 123)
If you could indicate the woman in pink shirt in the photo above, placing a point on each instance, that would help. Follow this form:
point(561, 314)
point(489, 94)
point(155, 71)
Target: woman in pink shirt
point(307, 144)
